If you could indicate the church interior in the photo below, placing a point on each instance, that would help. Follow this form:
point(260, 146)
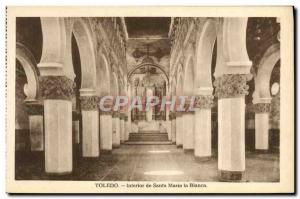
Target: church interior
point(65, 65)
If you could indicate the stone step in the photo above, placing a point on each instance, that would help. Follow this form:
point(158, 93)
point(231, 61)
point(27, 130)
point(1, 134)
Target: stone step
point(148, 143)
point(148, 137)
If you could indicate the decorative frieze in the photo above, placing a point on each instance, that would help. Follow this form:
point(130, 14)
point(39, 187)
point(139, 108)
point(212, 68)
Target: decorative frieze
point(89, 102)
point(204, 101)
point(56, 87)
point(231, 86)
point(262, 107)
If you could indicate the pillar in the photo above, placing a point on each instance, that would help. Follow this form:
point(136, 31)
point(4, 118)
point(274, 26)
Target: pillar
point(231, 90)
point(202, 127)
point(105, 131)
point(179, 129)
point(57, 92)
point(173, 127)
point(122, 127)
point(75, 127)
point(90, 125)
point(188, 132)
point(116, 129)
point(262, 126)
point(36, 125)
point(127, 127)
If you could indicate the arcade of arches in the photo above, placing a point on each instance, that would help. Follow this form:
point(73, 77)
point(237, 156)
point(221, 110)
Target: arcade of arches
point(64, 66)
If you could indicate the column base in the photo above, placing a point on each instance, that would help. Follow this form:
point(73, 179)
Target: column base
point(231, 176)
point(105, 151)
point(203, 159)
point(116, 146)
point(179, 146)
point(58, 174)
point(173, 142)
point(188, 151)
point(262, 151)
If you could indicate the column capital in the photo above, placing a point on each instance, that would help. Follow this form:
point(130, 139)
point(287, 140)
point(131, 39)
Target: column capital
point(115, 114)
point(122, 115)
point(231, 86)
point(106, 112)
point(204, 101)
point(56, 87)
point(262, 107)
point(89, 103)
point(34, 109)
point(179, 114)
point(126, 118)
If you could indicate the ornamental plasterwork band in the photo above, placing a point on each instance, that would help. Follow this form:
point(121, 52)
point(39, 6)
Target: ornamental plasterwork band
point(231, 86)
point(204, 101)
point(56, 87)
point(187, 104)
point(262, 107)
point(34, 109)
point(89, 102)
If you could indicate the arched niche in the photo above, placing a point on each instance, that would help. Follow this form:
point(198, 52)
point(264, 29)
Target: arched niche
point(262, 80)
point(179, 85)
point(27, 61)
point(206, 40)
point(188, 82)
point(232, 55)
point(114, 85)
point(166, 78)
point(54, 47)
point(84, 39)
point(103, 76)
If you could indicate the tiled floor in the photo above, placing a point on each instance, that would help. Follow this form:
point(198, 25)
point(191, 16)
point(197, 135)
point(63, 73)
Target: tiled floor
point(148, 163)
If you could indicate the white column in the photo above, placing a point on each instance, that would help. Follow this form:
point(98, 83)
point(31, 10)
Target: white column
point(231, 126)
point(202, 127)
point(76, 131)
point(116, 130)
point(35, 111)
point(127, 127)
point(149, 112)
point(173, 132)
point(106, 132)
point(58, 136)
point(179, 129)
point(90, 124)
point(122, 128)
point(36, 129)
point(90, 133)
point(188, 132)
point(262, 126)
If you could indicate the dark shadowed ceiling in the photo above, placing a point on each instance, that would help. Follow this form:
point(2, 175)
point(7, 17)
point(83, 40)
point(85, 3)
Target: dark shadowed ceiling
point(148, 36)
point(138, 27)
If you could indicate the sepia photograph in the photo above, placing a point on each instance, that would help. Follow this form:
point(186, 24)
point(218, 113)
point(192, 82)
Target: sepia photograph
point(144, 100)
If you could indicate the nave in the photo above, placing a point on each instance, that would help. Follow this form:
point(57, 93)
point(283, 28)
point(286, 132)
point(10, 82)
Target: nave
point(151, 163)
